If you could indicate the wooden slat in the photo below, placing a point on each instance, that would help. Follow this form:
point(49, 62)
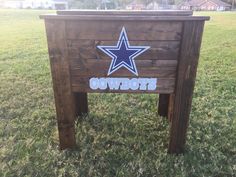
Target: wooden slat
point(146, 68)
point(81, 84)
point(146, 64)
point(127, 12)
point(123, 72)
point(161, 50)
point(187, 67)
point(136, 30)
point(164, 45)
point(129, 18)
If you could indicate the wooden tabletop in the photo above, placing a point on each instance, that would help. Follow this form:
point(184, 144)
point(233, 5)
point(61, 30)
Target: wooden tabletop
point(127, 12)
point(141, 15)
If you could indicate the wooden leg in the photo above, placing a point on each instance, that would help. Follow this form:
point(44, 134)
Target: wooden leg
point(187, 67)
point(60, 70)
point(65, 107)
point(66, 135)
point(68, 105)
point(170, 107)
point(81, 103)
point(179, 117)
point(163, 105)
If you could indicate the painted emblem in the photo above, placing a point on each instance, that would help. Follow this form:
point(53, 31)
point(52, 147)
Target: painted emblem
point(123, 54)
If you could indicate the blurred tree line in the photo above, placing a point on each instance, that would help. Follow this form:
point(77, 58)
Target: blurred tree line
point(121, 4)
point(111, 4)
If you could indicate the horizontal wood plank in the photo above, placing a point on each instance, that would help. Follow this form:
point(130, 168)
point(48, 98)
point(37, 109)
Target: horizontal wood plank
point(146, 68)
point(81, 84)
point(127, 12)
point(136, 30)
point(128, 18)
point(86, 63)
point(162, 50)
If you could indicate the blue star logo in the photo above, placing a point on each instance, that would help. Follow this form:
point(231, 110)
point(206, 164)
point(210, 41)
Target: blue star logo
point(123, 54)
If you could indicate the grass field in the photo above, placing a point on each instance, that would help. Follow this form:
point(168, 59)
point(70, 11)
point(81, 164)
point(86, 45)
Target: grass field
point(122, 136)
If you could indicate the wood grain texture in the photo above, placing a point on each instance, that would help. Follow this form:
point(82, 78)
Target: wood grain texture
point(136, 30)
point(187, 67)
point(146, 68)
point(124, 17)
point(170, 107)
point(127, 12)
point(64, 98)
point(163, 105)
point(102, 68)
point(162, 50)
point(84, 63)
point(81, 84)
point(174, 38)
point(81, 103)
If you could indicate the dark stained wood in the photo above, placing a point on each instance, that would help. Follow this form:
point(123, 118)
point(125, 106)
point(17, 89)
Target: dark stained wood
point(174, 37)
point(127, 12)
point(64, 98)
point(162, 45)
point(163, 105)
point(171, 106)
point(124, 17)
point(81, 103)
point(84, 63)
point(162, 50)
point(136, 30)
point(146, 68)
point(81, 84)
point(101, 71)
point(186, 74)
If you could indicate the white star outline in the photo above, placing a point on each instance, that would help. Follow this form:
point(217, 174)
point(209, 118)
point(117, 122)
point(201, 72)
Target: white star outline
point(123, 38)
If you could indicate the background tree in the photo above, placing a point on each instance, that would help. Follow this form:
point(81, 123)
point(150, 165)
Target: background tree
point(84, 4)
point(121, 4)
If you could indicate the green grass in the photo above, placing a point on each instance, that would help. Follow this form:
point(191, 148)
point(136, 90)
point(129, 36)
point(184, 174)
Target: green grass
point(122, 136)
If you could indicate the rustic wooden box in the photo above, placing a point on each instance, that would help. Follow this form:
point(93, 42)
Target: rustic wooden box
point(78, 66)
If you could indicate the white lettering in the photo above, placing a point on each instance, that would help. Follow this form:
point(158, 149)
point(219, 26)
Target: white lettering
point(113, 83)
point(103, 83)
point(93, 83)
point(152, 84)
point(123, 83)
point(134, 84)
point(143, 83)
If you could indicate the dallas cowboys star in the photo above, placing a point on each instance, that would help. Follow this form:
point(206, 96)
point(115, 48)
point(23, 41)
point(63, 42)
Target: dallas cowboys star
point(123, 54)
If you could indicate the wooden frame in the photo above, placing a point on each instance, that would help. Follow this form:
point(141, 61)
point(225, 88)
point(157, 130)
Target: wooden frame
point(174, 37)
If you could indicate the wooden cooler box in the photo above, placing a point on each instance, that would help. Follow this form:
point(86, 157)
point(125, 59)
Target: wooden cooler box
point(124, 52)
